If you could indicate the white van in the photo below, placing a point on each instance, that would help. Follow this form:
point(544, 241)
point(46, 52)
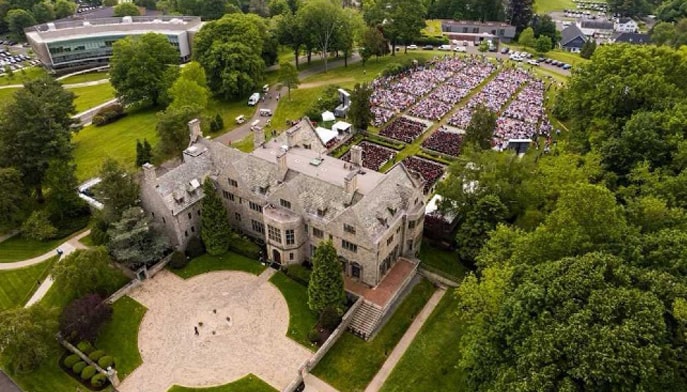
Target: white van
point(265, 88)
point(254, 99)
point(445, 47)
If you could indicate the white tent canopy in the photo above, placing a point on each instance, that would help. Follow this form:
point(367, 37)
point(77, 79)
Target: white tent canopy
point(326, 134)
point(341, 126)
point(328, 116)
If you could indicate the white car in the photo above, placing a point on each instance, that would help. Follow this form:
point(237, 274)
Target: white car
point(460, 49)
point(533, 62)
point(411, 47)
point(444, 47)
point(515, 57)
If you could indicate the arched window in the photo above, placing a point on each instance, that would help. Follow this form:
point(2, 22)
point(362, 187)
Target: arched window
point(356, 270)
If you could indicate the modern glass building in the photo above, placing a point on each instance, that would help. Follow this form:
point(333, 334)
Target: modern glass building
point(72, 44)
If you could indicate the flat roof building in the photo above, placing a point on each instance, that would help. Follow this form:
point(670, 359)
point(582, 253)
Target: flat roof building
point(84, 43)
point(475, 30)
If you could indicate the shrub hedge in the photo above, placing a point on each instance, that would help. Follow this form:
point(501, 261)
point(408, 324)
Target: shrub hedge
point(106, 362)
point(244, 246)
point(108, 114)
point(96, 355)
point(195, 247)
point(98, 380)
point(87, 372)
point(71, 360)
point(85, 347)
point(78, 367)
point(178, 261)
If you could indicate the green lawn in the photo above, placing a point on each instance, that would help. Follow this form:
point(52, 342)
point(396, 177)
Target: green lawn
point(85, 77)
point(87, 240)
point(229, 111)
point(91, 96)
point(116, 140)
point(17, 286)
point(19, 248)
point(430, 363)
point(352, 363)
point(19, 77)
point(6, 94)
point(49, 377)
point(119, 337)
point(546, 6)
point(301, 318)
point(443, 262)
point(293, 108)
point(249, 383)
point(229, 261)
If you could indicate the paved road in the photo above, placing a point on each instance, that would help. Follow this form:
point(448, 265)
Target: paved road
point(73, 242)
point(271, 103)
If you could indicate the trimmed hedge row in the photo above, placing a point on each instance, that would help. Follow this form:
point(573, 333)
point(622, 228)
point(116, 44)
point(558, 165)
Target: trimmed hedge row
point(87, 373)
point(108, 114)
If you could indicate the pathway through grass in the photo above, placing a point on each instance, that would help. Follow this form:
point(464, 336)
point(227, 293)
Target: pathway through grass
point(249, 383)
point(19, 248)
point(352, 363)
point(17, 286)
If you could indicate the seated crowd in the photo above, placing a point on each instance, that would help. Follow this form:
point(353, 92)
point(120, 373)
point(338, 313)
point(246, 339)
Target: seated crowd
point(431, 172)
point(404, 129)
point(520, 119)
point(374, 155)
point(444, 141)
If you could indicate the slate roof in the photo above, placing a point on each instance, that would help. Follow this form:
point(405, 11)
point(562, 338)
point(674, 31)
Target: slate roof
point(632, 38)
point(570, 33)
point(597, 24)
point(174, 187)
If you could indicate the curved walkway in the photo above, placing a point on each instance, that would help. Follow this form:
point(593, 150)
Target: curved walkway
point(68, 246)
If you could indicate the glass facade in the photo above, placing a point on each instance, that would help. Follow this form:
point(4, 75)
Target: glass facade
point(89, 48)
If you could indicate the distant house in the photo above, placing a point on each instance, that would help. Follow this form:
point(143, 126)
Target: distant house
point(631, 38)
point(469, 30)
point(596, 28)
point(572, 39)
point(625, 25)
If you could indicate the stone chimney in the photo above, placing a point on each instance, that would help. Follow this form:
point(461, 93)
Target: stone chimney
point(258, 137)
point(281, 165)
point(357, 156)
point(149, 174)
point(351, 182)
point(290, 138)
point(194, 130)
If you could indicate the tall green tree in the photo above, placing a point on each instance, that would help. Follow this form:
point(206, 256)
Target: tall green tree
point(545, 25)
point(477, 222)
point(588, 49)
point(519, 13)
point(126, 9)
point(12, 197)
point(360, 112)
point(118, 190)
point(134, 240)
point(17, 21)
point(322, 21)
point(527, 38)
point(326, 287)
point(543, 44)
point(64, 8)
point(374, 44)
point(481, 128)
point(291, 34)
point(172, 129)
point(35, 130)
point(63, 201)
point(288, 76)
point(144, 152)
point(87, 271)
point(230, 50)
point(215, 230)
point(26, 336)
point(142, 68)
point(43, 12)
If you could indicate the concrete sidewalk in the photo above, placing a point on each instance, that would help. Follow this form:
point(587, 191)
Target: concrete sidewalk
point(314, 384)
point(72, 242)
point(400, 349)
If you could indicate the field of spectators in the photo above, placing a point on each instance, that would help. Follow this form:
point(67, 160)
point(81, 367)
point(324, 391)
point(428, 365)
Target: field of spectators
point(404, 129)
point(430, 171)
point(524, 118)
point(444, 141)
point(374, 155)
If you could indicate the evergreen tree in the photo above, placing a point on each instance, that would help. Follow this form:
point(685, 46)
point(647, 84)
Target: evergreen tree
point(139, 153)
point(543, 44)
point(218, 123)
point(360, 112)
point(481, 128)
point(519, 13)
point(326, 286)
point(215, 231)
point(144, 152)
point(134, 240)
point(588, 49)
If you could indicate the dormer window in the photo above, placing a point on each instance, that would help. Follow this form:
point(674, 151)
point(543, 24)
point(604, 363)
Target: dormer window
point(285, 203)
point(321, 211)
point(263, 189)
point(348, 228)
point(233, 182)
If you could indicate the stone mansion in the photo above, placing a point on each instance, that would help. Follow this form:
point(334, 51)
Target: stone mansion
point(289, 193)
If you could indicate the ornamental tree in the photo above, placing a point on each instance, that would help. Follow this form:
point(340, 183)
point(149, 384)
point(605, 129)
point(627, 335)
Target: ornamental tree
point(326, 286)
point(215, 230)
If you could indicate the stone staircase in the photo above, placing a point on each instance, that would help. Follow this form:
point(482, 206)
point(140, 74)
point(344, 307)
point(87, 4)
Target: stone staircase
point(365, 320)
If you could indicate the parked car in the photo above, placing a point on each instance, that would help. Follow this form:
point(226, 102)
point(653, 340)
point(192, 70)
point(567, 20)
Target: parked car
point(567, 66)
point(504, 50)
point(460, 49)
point(533, 62)
point(428, 47)
point(411, 47)
point(444, 47)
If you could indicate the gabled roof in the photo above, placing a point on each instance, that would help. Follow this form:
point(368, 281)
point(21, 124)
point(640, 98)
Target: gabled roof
point(181, 187)
point(632, 38)
point(624, 20)
point(597, 24)
point(570, 33)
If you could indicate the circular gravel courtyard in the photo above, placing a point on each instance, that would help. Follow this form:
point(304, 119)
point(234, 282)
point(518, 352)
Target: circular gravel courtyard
point(244, 322)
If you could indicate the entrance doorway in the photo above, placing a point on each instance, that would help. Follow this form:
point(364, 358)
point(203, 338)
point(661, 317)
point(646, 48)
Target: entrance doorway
point(276, 256)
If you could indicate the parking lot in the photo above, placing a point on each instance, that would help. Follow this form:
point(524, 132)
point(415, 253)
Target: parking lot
point(13, 61)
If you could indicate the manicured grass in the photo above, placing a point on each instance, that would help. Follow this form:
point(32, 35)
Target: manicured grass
point(443, 262)
point(293, 108)
point(430, 363)
point(91, 96)
point(249, 383)
point(19, 248)
point(6, 95)
point(17, 286)
point(85, 77)
point(87, 240)
point(49, 377)
point(352, 363)
point(21, 76)
point(116, 140)
point(229, 261)
point(301, 318)
point(119, 337)
point(229, 111)
point(546, 6)
point(245, 144)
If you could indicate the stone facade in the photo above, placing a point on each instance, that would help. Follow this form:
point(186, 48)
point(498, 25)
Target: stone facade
point(291, 195)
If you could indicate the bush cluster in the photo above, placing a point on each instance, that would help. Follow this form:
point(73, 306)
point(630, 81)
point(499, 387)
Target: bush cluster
point(71, 360)
point(96, 355)
point(78, 367)
point(98, 380)
point(106, 361)
point(244, 246)
point(108, 114)
point(178, 261)
point(85, 347)
point(87, 372)
point(195, 247)
point(434, 41)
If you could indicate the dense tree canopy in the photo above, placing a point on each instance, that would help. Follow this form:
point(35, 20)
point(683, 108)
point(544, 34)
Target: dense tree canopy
point(135, 241)
point(35, 130)
point(25, 336)
point(142, 68)
point(360, 112)
point(118, 190)
point(326, 287)
point(86, 272)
